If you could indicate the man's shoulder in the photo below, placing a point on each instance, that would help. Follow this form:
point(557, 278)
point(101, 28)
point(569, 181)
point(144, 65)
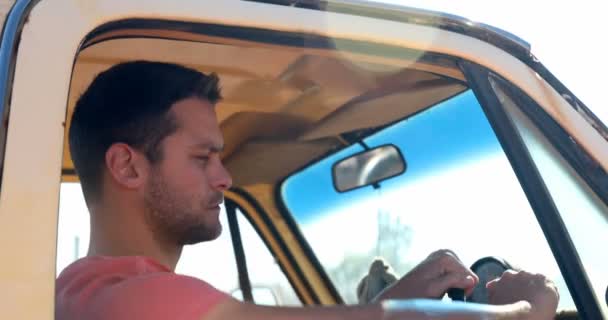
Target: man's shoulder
point(117, 268)
point(131, 264)
point(101, 273)
point(138, 285)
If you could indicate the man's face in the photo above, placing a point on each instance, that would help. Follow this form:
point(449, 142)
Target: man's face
point(185, 188)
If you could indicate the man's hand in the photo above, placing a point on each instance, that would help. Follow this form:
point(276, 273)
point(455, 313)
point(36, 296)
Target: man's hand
point(439, 272)
point(514, 286)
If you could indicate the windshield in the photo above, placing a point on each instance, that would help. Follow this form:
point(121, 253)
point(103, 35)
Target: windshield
point(459, 192)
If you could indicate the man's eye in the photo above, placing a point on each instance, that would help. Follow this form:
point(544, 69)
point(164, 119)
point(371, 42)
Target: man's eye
point(203, 158)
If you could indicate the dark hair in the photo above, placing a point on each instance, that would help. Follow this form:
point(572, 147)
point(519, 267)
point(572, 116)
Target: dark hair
point(130, 103)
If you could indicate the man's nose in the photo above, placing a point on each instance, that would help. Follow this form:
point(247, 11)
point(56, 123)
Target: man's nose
point(222, 179)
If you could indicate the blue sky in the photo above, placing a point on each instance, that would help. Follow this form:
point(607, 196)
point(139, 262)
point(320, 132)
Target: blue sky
point(426, 148)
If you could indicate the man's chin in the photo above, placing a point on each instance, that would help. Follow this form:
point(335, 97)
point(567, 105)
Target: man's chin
point(201, 234)
point(218, 232)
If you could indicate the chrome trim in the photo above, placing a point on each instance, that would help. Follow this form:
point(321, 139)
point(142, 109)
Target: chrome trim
point(446, 21)
point(15, 20)
point(11, 35)
point(401, 13)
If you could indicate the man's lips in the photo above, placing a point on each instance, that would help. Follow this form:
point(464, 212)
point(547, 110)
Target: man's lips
point(215, 201)
point(215, 204)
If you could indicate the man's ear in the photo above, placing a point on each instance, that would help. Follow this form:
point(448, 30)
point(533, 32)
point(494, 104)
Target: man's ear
point(126, 165)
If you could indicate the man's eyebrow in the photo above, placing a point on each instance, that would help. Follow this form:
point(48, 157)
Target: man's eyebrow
point(213, 147)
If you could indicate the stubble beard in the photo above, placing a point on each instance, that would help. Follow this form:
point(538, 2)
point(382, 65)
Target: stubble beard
point(173, 217)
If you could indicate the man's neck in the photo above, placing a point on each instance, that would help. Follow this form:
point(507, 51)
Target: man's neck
point(99, 247)
point(129, 238)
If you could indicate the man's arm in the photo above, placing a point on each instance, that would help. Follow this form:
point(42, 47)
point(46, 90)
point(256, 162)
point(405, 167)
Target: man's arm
point(419, 309)
point(237, 310)
point(517, 295)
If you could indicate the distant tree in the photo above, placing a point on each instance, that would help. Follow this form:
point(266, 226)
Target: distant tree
point(394, 238)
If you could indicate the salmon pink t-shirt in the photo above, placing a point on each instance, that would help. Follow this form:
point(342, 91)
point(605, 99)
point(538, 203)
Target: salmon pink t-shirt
point(121, 288)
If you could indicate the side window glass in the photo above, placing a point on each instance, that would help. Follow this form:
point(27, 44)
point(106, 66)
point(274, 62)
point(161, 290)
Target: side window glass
point(583, 212)
point(458, 192)
point(268, 281)
point(213, 261)
point(73, 226)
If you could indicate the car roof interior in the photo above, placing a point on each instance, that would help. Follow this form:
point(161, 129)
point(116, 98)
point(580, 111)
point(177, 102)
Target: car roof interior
point(284, 107)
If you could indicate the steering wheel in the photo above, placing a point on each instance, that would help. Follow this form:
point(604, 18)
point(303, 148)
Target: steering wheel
point(487, 269)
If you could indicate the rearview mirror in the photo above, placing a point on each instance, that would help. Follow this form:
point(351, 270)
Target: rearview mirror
point(367, 168)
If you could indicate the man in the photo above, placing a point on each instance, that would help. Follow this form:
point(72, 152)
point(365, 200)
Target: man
point(146, 145)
